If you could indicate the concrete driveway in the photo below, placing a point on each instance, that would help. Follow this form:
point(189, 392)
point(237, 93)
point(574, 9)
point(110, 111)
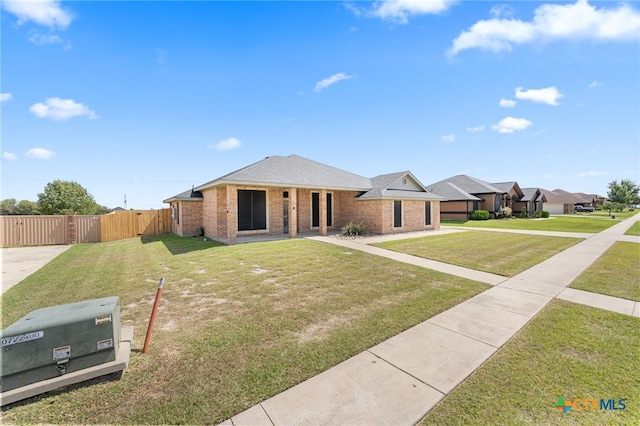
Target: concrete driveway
point(20, 262)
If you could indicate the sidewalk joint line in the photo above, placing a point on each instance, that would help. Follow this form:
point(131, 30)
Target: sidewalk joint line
point(406, 372)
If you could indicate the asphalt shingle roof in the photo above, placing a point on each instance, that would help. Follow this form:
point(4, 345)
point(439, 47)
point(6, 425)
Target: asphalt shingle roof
point(295, 171)
point(187, 195)
point(463, 184)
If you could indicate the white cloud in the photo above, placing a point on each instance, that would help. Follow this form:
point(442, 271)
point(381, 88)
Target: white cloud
point(4, 97)
point(42, 12)
point(41, 39)
point(39, 153)
point(591, 173)
point(61, 109)
point(400, 10)
point(7, 156)
point(323, 84)
point(226, 144)
point(511, 124)
point(449, 138)
point(549, 95)
point(594, 84)
point(475, 129)
point(502, 10)
point(576, 21)
point(507, 103)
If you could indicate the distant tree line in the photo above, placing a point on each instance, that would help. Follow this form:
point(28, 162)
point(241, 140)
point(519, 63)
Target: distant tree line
point(59, 197)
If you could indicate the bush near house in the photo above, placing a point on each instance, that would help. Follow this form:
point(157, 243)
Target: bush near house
point(353, 229)
point(505, 212)
point(523, 212)
point(479, 215)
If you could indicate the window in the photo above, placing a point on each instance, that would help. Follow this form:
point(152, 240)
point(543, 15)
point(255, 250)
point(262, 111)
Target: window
point(427, 213)
point(315, 209)
point(252, 210)
point(397, 214)
point(497, 203)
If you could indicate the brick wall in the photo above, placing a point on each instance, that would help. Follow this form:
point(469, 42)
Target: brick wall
point(190, 217)
point(210, 212)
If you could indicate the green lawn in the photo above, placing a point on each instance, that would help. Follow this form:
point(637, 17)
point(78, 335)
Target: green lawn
point(576, 223)
point(616, 273)
point(634, 230)
point(568, 350)
point(237, 324)
point(499, 253)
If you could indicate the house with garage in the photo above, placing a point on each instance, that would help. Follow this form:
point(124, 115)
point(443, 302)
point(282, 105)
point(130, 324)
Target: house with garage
point(288, 195)
point(560, 201)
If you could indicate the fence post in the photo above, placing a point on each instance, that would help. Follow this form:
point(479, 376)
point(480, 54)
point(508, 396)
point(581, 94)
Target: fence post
point(71, 228)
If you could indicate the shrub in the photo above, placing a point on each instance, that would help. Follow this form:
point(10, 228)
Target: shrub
point(479, 215)
point(505, 212)
point(545, 214)
point(523, 212)
point(537, 214)
point(353, 229)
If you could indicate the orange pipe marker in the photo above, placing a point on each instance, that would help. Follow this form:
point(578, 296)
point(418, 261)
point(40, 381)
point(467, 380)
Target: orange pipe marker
point(153, 316)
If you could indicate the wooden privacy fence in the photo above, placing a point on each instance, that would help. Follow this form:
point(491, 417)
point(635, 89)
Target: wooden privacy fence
point(70, 229)
point(134, 223)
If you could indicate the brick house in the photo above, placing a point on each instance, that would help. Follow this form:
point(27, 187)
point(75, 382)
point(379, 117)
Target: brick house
point(465, 194)
point(291, 195)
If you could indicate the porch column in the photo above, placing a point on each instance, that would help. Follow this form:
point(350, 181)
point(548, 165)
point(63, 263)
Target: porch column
point(293, 212)
point(323, 212)
point(232, 213)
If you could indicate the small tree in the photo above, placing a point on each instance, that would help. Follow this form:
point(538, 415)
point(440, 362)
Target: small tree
point(62, 197)
point(624, 193)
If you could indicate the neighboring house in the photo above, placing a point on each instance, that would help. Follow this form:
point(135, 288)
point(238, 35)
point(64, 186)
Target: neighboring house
point(533, 200)
point(590, 200)
point(465, 194)
point(291, 195)
point(512, 197)
point(560, 201)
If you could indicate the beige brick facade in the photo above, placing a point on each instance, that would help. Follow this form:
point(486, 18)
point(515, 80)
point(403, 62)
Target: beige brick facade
point(217, 212)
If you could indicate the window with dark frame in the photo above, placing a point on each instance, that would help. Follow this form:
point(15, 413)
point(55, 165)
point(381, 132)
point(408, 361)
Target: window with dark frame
point(427, 213)
point(397, 214)
point(315, 209)
point(252, 210)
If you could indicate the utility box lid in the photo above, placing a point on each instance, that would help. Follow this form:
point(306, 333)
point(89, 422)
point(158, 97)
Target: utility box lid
point(53, 341)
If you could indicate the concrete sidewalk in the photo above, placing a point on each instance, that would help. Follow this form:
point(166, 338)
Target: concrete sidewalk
point(400, 380)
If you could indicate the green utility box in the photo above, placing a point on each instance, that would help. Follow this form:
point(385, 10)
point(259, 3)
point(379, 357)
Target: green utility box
point(53, 341)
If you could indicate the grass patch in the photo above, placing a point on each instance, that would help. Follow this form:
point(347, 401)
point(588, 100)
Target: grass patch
point(582, 223)
point(568, 350)
point(634, 230)
point(499, 253)
point(237, 324)
point(615, 273)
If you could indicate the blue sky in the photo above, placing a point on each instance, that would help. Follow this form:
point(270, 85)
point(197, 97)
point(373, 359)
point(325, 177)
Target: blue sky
point(146, 99)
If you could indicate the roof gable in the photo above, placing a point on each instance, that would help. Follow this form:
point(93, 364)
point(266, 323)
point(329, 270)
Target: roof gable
point(398, 185)
point(508, 186)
